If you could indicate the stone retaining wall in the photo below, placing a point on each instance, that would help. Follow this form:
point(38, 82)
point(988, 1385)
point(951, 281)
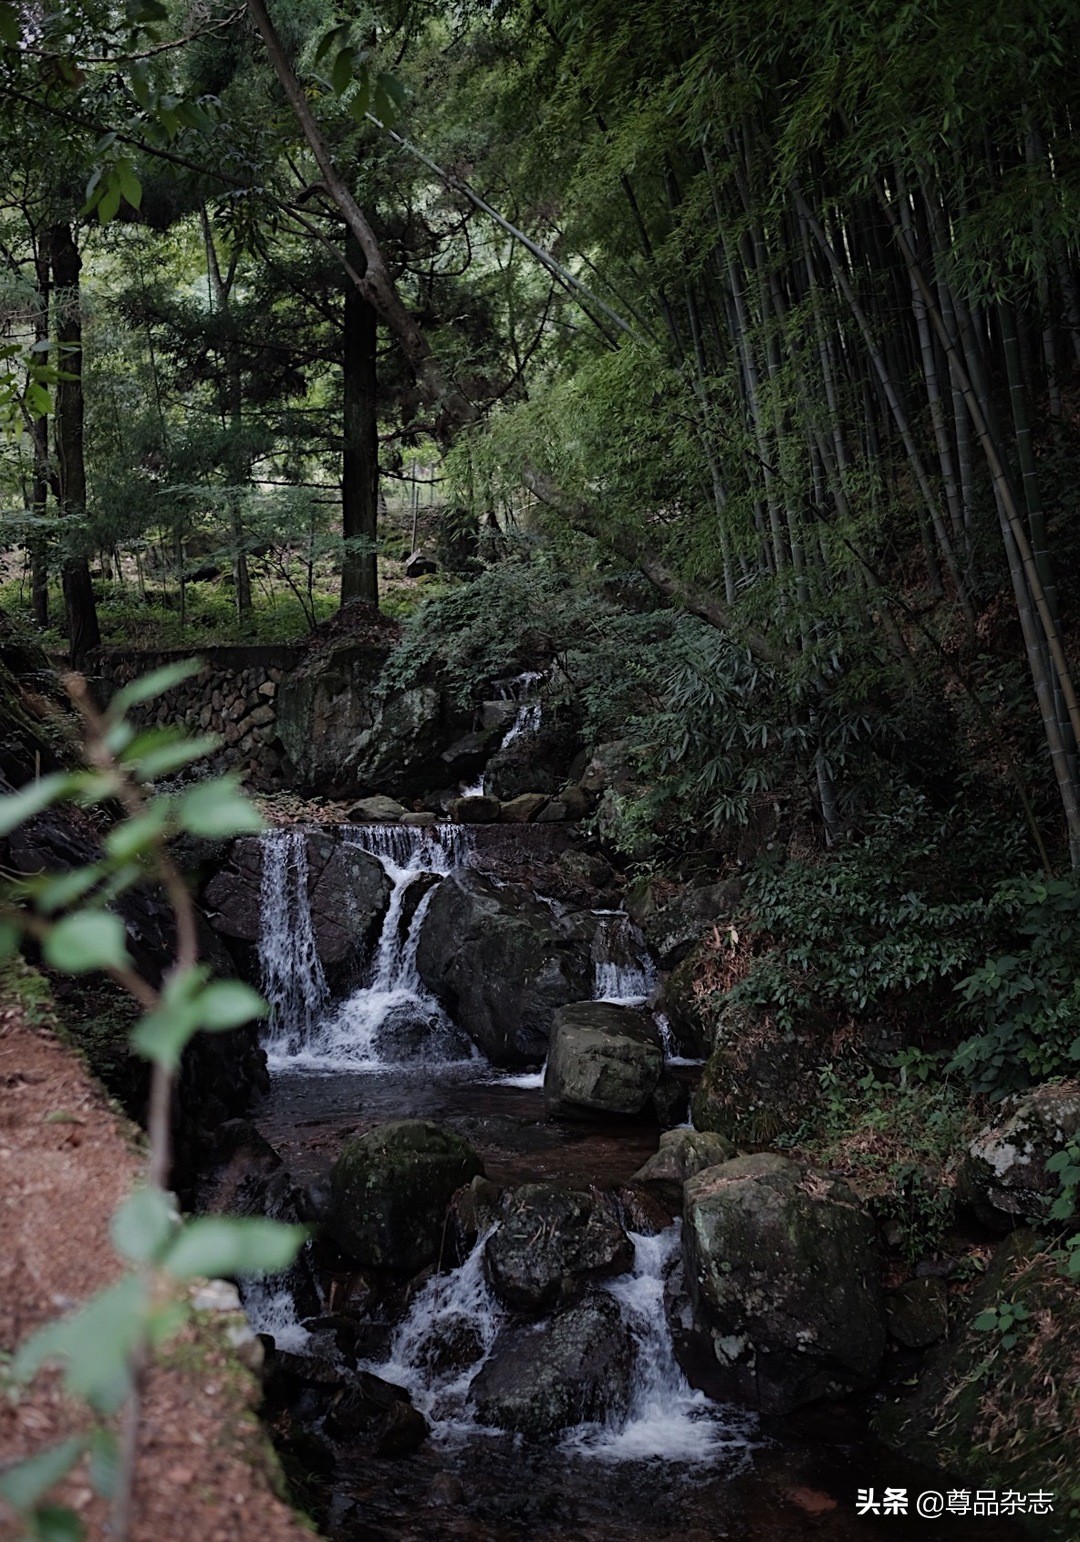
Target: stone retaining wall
point(234, 695)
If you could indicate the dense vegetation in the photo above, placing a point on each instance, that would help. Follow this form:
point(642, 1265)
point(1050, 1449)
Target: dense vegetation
point(726, 356)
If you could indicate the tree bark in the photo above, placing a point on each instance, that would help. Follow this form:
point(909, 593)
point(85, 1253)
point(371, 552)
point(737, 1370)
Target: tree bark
point(360, 454)
point(84, 635)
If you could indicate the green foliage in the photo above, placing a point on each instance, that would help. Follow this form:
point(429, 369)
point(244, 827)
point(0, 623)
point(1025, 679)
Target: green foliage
point(881, 916)
point(895, 1140)
point(1029, 996)
point(102, 1345)
point(1007, 1318)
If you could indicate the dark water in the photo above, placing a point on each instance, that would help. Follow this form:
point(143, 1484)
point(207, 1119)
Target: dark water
point(793, 1480)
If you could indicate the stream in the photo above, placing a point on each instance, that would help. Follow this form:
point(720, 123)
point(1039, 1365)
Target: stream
point(675, 1464)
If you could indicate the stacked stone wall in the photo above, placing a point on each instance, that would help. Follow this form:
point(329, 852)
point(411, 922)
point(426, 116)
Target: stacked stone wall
point(234, 695)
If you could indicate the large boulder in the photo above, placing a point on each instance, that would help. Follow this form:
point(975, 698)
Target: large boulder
point(673, 923)
point(682, 1155)
point(573, 1368)
point(322, 707)
point(348, 892)
point(759, 1082)
point(502, 963)
point(535, 760)
point(389, 1193)
point(1004, 1176)
point(602, 1057)
point(782, 1269)
point(550, 1244)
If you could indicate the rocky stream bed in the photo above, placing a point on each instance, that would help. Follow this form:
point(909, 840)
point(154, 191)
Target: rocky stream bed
point(538, 1305)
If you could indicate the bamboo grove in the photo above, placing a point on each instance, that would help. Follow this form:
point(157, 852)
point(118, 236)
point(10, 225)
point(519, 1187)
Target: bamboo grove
point(846, 239)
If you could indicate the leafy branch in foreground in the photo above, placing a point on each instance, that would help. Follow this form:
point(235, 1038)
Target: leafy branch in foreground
point(106, 1347)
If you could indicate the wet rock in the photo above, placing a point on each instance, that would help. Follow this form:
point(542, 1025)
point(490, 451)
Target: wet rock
point(684, 1002)
point(402, 1431)
point(673, 924)
point(1004, 1176)
point(376, 810)
point(537, 760)
point(602, 1057)
point(321, 709)
point(402, 746)
point(473, 1210)
point(523, 809)
point(348, 891)
point(420, 818)
point(446, 1490)
point(670, 1101)
point(361, 1406)
point(550, 1244)
point(575, 1367)
point(389, 1192)
point(682, 1155)
point(642, 1212)
point(609, 765)
point(476, 809)
point(552, 813)
point(502, 963)
point(782, 1269)
point(575, 800)
point(917, 1313)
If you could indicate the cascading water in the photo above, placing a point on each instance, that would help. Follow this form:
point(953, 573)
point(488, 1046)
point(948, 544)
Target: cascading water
point(452, 1325)
point(622, 969)
point(391, 1018)
point(292, 976)
point(527, 719)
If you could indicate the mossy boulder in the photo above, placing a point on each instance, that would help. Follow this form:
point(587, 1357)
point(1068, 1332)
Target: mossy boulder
point(917, 1313)
point(602, 1058)
point(1004, 1176)
point(759, 1082)
point(682, 1155)
point(389, 1193)
point(782, 1270)
point(577, 1367)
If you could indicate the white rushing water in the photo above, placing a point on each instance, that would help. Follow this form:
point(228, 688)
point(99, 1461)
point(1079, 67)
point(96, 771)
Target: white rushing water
point(527, 719)
point(391, 1018)
point(454, 1321)
point(292, 976)
point(623, 972)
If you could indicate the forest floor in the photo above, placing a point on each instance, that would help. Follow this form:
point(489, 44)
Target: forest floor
point(67, 1158)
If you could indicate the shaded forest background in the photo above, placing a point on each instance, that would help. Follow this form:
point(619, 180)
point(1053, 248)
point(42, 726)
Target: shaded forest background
point(726, 356)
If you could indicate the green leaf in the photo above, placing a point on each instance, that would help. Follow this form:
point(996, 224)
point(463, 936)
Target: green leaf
point(219, 808)
point(215, 1246)
point(109, 203)
point(56, 1523)
point(360, 100)
point(104, 1462)
point(165, 750)
point(89, 939)
point(328, 41)
point(986, 1322)
point(143, 1226)
point(228, 1003)
point(95, 1344)
point(20, 806)
point(130, 185)
point(135, 836)
point(154, 684)
point(23, 1485)
point(342, 72)
point(10, 30)
point(161, 1036)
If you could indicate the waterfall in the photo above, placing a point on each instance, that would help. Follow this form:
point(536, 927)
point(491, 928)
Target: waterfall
point(667, 1417)
point(527, 719)
point(392, 1017)
point(292, 976)
point(622, 969)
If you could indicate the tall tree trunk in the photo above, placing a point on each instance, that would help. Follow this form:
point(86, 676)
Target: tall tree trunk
point(239, 469)
point(39, 494)
point(84, 635)
point(360, 454)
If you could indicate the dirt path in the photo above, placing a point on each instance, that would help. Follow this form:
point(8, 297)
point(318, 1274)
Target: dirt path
point(66, 1159)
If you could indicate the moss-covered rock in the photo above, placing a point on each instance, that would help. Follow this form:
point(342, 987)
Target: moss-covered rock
point(390, 1189)
point(758, 1082)
point(1004, 1176)
point(602, 1057)
point(782, 1269)
point(682, 1155)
